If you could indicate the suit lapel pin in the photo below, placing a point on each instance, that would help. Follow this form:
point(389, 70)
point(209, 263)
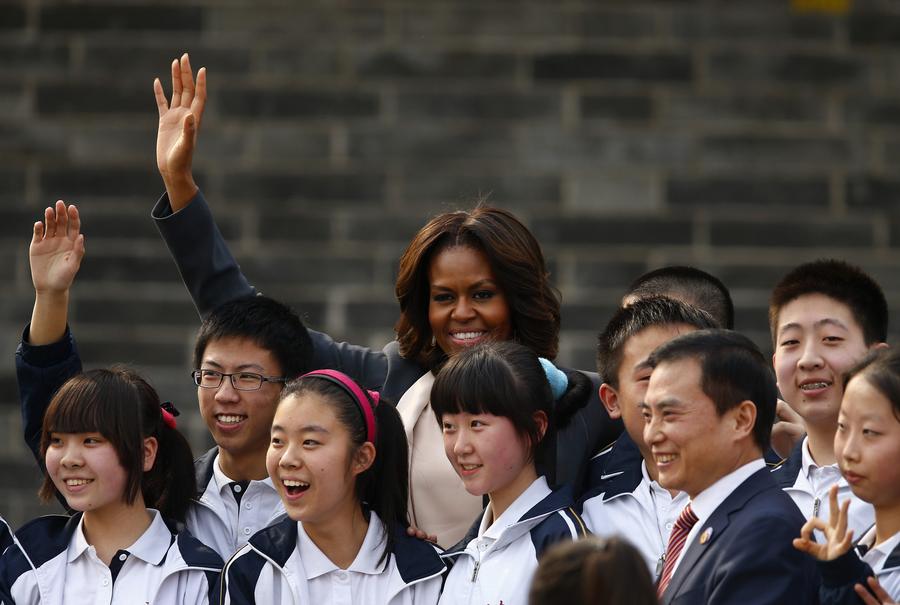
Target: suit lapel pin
point(706, 535)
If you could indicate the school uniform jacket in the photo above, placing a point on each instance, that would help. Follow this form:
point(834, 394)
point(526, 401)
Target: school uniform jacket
point(498, 572)
point(744, 552)
point(6, 537)
point(212, 277)
point(41, 370)
point(791, 478)
point(620, 502)
point(839, 577)
point(34, 569)
point(268, 570)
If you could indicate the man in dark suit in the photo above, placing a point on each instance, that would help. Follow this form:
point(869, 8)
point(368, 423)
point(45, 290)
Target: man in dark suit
point(709, 409)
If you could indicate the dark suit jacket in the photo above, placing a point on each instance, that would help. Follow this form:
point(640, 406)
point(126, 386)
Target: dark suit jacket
point(748, 557)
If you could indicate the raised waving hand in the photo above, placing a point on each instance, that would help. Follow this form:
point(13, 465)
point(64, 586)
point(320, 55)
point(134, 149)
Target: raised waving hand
point(179, 123)
point(55, 253)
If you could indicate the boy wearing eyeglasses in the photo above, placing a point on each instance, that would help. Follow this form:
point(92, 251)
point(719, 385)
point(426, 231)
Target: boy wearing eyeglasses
point(244, 352)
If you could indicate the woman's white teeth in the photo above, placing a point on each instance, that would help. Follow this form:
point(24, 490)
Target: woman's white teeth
point(77, 482)
point(291, 483)
point(229, 419)
point(468, 335)
point(666, 458)
point(811, 386)
point(469, 467)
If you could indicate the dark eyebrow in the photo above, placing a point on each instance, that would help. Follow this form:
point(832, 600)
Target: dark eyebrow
point(644, 365)
point(309, 428)
point(822, 322)
point(477, 284)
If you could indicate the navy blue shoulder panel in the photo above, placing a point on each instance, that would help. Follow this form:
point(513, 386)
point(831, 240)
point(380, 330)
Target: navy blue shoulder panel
point(241, 575)
point(197, 554)
point(893, 559)
point(5, 536)
point(555, 529)
point(416, 559)
point(45, 537)
point(203, 470)
point(786, 473)
point(558, 499)
point(278, 541)
point(13, 564)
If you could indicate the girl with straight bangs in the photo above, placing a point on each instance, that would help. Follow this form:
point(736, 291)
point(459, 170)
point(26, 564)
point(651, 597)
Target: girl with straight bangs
point(112, 452)
point(495, 406)
point(867, 448)
point(338, 458)
point(466, 277)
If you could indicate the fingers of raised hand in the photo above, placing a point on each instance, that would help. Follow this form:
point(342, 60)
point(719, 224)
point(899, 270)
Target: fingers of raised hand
point(74, 222)
point(161, 104)
point(38, 232)
point(199, 102)
point(187, 81)
point(62, 219)
point(176, 84)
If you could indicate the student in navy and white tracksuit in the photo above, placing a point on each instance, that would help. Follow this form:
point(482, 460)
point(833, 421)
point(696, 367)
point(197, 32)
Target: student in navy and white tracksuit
point(112, 451)
point(338, 456)
point(628, 503)
point(260, 336)
point(867, 447)
point(282, 565)
point(495, 404)
point(52, 563)
point(624, 498)
point(495, 561)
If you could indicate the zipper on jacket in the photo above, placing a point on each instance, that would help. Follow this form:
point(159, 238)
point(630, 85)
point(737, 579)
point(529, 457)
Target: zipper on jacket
point(816, 507)
point(475, 571)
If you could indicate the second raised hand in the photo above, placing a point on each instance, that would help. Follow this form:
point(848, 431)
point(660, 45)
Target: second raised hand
point(179, 123)
point(57, 247)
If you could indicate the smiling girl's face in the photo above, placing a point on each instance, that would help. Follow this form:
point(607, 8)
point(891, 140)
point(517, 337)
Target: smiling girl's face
point(312, 460)
point(85, 468)
point(489, 455)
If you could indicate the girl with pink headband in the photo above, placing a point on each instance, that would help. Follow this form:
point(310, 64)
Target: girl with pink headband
point(338, 457)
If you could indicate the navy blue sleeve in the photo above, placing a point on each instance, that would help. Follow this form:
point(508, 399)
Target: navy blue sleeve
point(40, 371)
point(206, 265)
point(213, 277)
point(839, 577)
point(561, 526)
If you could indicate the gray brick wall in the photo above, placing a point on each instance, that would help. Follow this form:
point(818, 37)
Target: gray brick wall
point(739, 138)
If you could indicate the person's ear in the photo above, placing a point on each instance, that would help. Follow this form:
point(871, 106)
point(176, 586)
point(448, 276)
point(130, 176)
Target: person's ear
point(363, 458)
point(610, 398)
point(541, 420)
point(151, 446)
point(744, 418)
point(879, 345)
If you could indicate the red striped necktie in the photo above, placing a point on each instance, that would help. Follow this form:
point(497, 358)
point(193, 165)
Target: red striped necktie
point(680, 532)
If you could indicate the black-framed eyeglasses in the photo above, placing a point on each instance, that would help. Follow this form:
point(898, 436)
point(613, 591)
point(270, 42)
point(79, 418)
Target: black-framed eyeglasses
point(241, 381)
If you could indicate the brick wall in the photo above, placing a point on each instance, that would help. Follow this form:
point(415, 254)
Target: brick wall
point(739, 137)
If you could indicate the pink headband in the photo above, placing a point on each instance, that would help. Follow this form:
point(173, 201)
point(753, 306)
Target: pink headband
point(366, 404)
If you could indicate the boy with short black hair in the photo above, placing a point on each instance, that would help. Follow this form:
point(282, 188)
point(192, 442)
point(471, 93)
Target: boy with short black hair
point(689, 285)
point(624, 497)
point(824, 317)
point(246, 349)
